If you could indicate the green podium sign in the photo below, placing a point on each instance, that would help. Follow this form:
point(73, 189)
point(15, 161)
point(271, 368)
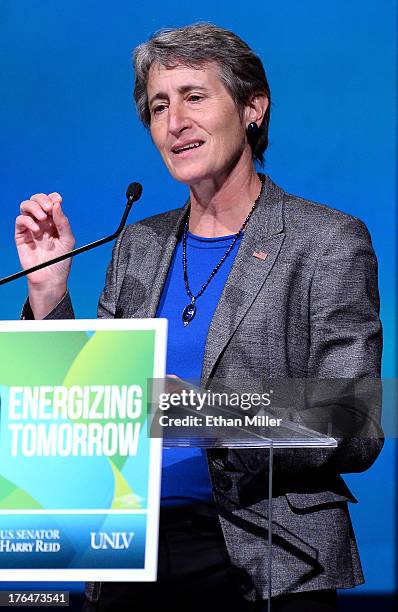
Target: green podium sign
point(79, 477)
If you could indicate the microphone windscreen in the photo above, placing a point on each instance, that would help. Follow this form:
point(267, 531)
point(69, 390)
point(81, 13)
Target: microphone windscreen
point(134, 191)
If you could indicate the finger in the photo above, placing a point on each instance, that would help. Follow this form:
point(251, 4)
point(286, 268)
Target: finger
point(23, 223)
point(44, 200)
point(55, 197)
point(61, 221)
point(34, 209)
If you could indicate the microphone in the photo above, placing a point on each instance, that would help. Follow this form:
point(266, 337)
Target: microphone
point(133, 193)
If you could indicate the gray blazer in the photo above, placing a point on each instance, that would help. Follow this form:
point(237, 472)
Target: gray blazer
point(308, 310)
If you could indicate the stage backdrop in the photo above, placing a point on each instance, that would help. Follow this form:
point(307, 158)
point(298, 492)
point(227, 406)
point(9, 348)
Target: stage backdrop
point(67, 124)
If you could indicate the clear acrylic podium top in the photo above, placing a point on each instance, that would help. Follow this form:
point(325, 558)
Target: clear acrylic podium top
point(184, 424)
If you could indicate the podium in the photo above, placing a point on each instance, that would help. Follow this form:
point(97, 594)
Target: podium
point(224, 428)
point(76, 505)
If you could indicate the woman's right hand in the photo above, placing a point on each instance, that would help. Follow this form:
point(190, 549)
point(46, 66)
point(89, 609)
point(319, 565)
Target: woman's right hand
point(42, 232)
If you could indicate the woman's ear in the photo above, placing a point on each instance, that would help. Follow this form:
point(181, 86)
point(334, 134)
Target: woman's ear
point(256, 109)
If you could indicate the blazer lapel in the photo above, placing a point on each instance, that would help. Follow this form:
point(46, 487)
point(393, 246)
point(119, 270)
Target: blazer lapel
point(154, 267)
point(256, 256)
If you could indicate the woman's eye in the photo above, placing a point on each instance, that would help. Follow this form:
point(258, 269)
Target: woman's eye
point(158, 109)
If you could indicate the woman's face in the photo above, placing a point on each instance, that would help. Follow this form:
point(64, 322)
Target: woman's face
point(195, 123)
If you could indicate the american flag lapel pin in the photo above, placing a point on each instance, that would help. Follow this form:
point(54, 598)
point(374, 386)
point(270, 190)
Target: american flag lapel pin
point(260, 255)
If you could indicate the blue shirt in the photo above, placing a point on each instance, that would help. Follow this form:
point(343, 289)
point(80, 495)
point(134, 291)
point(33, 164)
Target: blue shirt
point(185, 475)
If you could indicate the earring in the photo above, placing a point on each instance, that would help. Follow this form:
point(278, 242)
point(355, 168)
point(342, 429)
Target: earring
point(252, 130)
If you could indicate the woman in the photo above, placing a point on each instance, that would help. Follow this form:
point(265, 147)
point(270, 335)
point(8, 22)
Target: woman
point(255, 283)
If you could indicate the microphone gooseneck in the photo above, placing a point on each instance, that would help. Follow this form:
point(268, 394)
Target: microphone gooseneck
point(133, 193)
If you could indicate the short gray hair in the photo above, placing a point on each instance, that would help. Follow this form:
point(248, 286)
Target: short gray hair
point(241, 70)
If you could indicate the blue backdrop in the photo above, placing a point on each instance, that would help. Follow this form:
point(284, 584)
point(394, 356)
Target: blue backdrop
point(67, 124)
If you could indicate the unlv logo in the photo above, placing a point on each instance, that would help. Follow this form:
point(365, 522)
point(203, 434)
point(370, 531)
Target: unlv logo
point(118, 540)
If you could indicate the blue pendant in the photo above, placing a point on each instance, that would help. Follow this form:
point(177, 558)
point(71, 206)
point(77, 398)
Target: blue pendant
point(188, 314)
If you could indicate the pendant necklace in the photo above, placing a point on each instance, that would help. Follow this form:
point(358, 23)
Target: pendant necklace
point(190, 310)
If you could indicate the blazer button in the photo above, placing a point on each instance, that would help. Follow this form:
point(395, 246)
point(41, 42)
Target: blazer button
point(223, 482)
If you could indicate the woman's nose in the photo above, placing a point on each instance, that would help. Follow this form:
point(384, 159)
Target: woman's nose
point(178, 119)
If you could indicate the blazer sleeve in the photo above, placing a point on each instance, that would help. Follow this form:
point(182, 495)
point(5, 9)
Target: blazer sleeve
point(345, 344)
point(107, 304)
point(63, 310)
point(345, 328)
